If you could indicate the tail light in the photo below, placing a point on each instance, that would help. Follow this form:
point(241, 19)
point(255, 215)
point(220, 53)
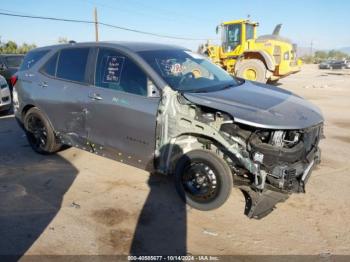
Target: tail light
point(13, 80)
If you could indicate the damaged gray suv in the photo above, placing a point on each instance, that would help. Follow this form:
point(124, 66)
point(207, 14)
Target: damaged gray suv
point(168, 110)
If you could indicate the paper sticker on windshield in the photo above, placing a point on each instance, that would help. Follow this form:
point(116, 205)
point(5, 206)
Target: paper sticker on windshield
point(176, 69)
point(113, 69)
point(194, 55)
point(169, 67)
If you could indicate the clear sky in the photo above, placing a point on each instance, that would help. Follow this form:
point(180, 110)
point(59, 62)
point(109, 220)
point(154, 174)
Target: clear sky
point(325, 22)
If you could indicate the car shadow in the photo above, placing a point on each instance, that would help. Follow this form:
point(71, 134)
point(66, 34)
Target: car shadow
point(162, 225)
point(32, 187)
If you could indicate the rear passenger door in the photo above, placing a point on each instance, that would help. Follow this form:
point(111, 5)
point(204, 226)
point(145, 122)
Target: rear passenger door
point(122, 117)
point(64, 92)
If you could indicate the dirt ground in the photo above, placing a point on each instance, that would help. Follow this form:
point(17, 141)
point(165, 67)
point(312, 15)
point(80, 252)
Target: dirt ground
point(79, 203)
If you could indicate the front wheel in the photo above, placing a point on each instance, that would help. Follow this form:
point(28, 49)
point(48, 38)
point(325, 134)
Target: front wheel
point(39, 132)
point(203, 180)
point(252, 69)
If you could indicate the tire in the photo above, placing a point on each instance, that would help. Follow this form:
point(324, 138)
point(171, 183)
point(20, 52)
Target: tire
point(40, 135)
point(252, 65)
point(217, 190)
point(273, 82)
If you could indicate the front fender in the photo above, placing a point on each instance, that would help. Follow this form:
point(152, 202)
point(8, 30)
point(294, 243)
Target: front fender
point(267, 59)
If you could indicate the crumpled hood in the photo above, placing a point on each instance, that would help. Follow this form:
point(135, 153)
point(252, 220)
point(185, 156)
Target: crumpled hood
point(262, 106)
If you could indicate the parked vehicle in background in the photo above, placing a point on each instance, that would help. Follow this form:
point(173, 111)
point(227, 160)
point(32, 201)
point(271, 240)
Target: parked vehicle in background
point(168, 110)
point(5, 96)
point(340, 64)
point(335, 64)
point(347, 64)
point(325, 65)
point(9, 64)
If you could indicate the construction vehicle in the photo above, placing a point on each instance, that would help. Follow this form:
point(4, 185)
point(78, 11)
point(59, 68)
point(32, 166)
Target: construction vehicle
point(263, 59)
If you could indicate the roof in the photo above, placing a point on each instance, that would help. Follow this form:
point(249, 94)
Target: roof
point(239, 21)
point(132, 46)
point(145, 46)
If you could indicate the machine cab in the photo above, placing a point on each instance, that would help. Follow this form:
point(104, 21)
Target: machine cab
point(236, 34)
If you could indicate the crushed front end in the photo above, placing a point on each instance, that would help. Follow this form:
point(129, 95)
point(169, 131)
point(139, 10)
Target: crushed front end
point(267, 164)
point(284, 159)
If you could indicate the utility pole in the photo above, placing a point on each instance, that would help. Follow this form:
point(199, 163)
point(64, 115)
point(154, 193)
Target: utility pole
point(96, 24)
point(311, 47)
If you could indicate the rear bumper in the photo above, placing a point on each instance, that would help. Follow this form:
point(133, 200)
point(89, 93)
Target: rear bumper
point(292, 69)
point(4, 107)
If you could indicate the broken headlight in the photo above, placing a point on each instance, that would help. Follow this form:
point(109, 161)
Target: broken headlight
point(284, 138)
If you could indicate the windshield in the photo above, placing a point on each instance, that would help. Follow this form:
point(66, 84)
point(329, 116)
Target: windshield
point(13, 61)
point(186, 71)
point(231, 37)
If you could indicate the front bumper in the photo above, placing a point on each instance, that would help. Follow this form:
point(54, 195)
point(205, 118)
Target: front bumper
point(286, 172)
point(261, 203)
point(293, 178)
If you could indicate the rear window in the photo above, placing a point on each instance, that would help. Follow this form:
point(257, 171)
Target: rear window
point(50, 66)
point(72, 64)
point(13, 61)
point(32, 58)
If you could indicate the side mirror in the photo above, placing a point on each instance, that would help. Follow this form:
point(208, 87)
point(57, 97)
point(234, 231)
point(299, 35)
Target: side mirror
point(217, 29)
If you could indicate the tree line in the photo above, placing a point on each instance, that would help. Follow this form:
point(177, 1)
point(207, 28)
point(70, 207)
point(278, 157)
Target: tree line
point(11, 47)
point(320, 56)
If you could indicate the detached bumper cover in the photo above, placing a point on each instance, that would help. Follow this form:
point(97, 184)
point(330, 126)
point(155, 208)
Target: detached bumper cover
point(259, 204)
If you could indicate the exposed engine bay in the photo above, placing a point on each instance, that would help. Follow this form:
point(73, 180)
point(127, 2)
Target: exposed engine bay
point(266, 164)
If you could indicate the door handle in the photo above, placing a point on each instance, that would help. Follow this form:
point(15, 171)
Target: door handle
point(43, 84)
point(95, 96)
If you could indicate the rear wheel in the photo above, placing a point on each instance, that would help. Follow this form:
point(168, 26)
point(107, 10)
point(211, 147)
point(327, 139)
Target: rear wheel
point(252, 69)
point(203, 180)
point(39, 132)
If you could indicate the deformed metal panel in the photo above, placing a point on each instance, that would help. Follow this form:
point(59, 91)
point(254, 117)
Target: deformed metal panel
point(261, 106)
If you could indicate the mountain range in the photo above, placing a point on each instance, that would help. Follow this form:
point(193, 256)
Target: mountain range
point(345, 49)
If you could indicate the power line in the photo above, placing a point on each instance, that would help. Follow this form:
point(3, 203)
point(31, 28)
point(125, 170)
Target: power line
point(126, 10)
point(103, 24)
point(137, 12)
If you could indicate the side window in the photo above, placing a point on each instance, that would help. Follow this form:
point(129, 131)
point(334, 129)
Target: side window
point(50, 66)
point(118, 72)
point(249, 32)
point(31, 58)
point(72, 64)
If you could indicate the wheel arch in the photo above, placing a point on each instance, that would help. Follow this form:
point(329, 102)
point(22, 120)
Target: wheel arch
point(25, 110)
point(27, 107)
point(262, 56)
point(186, 142)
